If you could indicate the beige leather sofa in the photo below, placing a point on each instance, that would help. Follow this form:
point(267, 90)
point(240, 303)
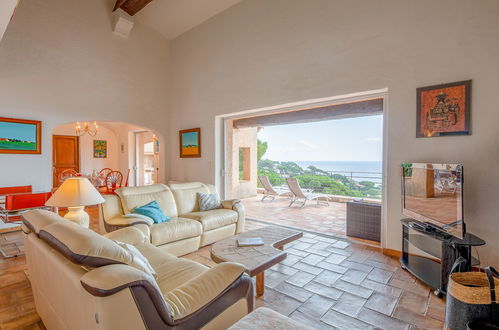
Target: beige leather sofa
point(188, 230)
point(82, 280)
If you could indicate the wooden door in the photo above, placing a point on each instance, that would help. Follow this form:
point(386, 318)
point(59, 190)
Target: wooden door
point(66, 155)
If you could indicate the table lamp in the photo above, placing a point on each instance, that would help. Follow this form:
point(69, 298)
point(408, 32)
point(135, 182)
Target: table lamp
point(76, 193)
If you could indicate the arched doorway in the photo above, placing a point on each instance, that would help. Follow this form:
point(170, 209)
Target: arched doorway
point(89, 147)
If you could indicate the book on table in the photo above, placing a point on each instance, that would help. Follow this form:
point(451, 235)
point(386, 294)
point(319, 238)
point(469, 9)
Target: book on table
point(249, 241)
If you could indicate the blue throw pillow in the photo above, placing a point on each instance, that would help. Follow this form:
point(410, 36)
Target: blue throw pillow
point(153, 211)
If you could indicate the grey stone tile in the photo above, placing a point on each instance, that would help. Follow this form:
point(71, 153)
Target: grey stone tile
point(353, 289)
point(326, 239)
point(296, 252)
point(321, 252)
point(381, 320)
point(279, 302)
point(380, 275)
point(283, 269)
point(327, 278)
point(320, 245)
point(302, 246)
point(323, 290)
point(340, 244)
point(308, 268)
point(332, 267)
point(342, 321)
point(339, 251)
point(273, 279)
point(380, 265)
point(310, 321)
point(293, 291)
point(309, 240)
point(312, 259)
point(384, 289)
point(290, 260)
point(381, 303)
point(358, 266)
point(316, 306)
point(349, 304)
point(300, 278)
point(354, 276)
point(335, 259)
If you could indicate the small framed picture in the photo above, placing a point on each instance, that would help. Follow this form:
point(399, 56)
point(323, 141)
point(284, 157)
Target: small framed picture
point(444, 110)
point(100, 149)
point(190, 143)
point(20, 136)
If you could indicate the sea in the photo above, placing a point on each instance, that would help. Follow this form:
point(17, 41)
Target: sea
point(345, 167)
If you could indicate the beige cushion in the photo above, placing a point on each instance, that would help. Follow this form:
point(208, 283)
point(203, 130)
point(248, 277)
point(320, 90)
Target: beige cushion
point(213, 219)
point(87, 248)
point(171, 271)
point(132, 197)
point(138, 260)
point(84, 246)
point(38, 219)
point(201, 290)
point(174, 230)
point(186, 195)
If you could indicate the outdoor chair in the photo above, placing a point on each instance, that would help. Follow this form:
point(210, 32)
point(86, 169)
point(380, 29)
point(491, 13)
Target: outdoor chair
point(301, 197)
point(271, 192)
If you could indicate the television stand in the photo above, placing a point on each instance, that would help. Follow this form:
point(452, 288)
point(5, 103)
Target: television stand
point(441, 251)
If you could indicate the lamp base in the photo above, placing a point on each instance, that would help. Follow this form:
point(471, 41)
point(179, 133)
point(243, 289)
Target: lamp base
point(78, 215)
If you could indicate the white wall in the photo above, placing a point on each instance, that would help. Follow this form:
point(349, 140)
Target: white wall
point(87, 161)
point(60, 63)
point(262, 53)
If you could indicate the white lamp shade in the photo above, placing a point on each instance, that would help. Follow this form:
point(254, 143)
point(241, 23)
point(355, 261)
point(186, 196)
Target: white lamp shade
point(77, 191)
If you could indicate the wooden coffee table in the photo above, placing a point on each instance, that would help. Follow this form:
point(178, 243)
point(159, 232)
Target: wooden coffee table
point(256, 259)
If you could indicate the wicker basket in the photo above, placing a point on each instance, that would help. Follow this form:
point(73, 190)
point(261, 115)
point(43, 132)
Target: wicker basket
point(364, 220)
point(470, 298)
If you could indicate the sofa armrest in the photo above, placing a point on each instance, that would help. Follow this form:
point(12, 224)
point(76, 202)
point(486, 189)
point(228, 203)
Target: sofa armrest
point(203, 289)
point(236, 205)
point(230, 203)
point(129, 235)
point(108, 280)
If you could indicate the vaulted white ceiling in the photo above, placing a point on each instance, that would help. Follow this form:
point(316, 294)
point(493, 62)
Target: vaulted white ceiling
point(171, 18)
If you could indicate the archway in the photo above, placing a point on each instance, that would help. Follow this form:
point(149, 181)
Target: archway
point(131, 149)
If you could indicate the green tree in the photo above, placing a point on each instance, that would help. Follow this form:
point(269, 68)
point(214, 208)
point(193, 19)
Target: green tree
point(261, 149)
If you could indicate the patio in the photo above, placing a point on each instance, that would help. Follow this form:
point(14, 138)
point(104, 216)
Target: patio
point(325, 219)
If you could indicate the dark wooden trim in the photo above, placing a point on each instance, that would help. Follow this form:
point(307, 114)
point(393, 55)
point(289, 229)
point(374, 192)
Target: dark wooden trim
point(38, 125)
point(329, 112)
point(467, 109)
point(198, 130)
point(131, 7)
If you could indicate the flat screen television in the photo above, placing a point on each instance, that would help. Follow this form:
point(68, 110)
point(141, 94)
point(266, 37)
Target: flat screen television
point(433, 194)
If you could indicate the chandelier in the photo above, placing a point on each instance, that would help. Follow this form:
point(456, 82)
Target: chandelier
point(91, 130)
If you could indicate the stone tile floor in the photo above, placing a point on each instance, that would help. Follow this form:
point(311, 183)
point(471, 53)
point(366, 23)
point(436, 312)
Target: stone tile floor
point(325, 282)
point(326, 219)
point(330, 283)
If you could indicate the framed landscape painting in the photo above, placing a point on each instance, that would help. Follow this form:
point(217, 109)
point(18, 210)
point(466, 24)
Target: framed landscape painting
point(190, 143)
point(20, 136)
point(100, 149)
point(444, 110)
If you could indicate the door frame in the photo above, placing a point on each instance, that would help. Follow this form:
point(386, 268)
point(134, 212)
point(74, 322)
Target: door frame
point(78, 160)
point(221, 138)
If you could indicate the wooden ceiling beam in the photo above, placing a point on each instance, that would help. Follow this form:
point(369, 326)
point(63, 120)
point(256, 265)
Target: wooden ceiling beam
point(131, 7)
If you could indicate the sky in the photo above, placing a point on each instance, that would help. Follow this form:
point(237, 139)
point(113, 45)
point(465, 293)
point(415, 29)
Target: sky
point(24, 132)
point(190, 139)
point(351, 139)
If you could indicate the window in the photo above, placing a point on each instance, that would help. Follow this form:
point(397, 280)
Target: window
point(244, 164)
